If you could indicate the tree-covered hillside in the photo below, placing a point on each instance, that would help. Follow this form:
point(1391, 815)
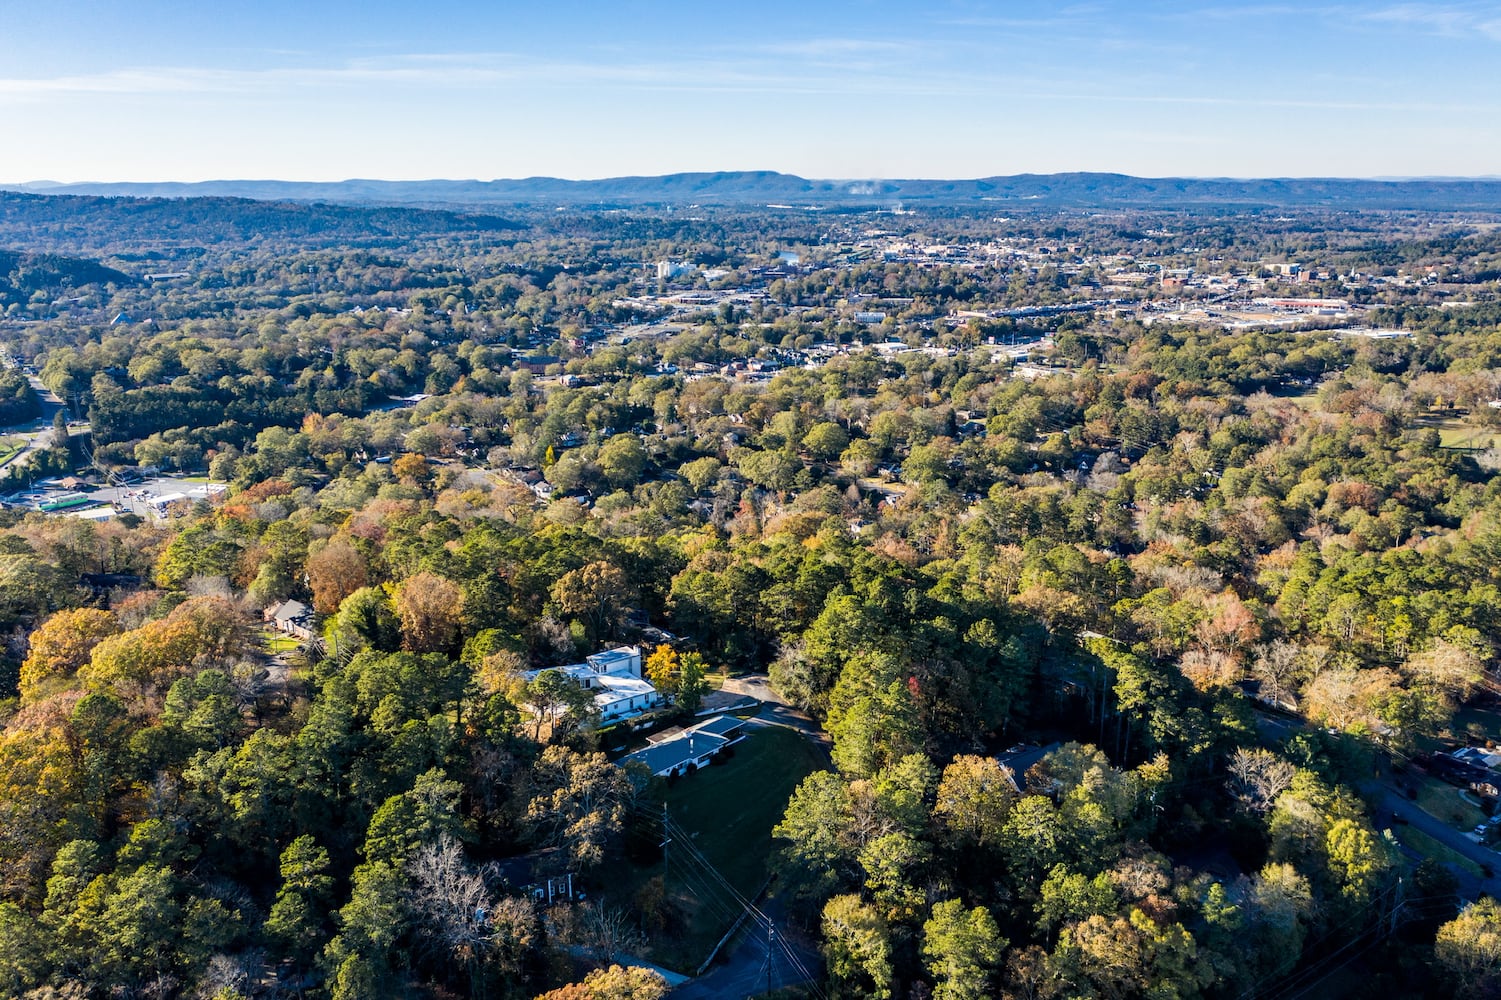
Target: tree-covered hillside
point(28, 277)
point(1124, 634)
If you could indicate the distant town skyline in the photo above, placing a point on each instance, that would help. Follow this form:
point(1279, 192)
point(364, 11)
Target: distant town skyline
point(167, 90)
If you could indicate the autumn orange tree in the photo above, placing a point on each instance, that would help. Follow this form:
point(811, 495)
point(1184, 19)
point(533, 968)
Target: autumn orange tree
point(614, 983)
point(141, 664)
point(334, 572)
point(430, 608)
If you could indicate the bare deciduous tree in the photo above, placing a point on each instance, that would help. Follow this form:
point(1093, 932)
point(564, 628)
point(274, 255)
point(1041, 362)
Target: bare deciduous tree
point(1258, 777)
point(1451, 670)
point(461, 917)
point(610, 931)
point(1276, 666)
point(451, 898)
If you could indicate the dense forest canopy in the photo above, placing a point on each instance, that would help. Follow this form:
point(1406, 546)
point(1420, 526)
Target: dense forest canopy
point(971, 491)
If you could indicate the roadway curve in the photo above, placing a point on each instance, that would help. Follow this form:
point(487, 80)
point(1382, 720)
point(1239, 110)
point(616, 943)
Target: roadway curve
point(1394, 804)
point(42, 438)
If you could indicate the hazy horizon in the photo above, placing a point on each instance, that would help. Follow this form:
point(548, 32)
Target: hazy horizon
point(871, 89)
point(50, 182)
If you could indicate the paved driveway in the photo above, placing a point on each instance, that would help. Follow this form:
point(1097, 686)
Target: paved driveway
point(743, 969)
point(776, 712)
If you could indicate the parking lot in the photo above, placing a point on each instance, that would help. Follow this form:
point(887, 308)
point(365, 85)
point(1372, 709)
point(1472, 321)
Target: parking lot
point(154, 499)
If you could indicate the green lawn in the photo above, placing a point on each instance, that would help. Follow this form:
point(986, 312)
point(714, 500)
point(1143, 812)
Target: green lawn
point(731, 807)
point(1473, 724)
point(727, 811)
point(1455, 432)
point(9, 449)
point(1441, 800)
point(1467, 436)
point(278, 643)
point(1308, 399)
point(1430, 848)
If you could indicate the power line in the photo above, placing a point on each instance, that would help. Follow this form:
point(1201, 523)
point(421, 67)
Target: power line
point(776, 943)
point(696, 855)
point(1302, 992)
point(797, 963)
point(721, 909)
point(1293, 974)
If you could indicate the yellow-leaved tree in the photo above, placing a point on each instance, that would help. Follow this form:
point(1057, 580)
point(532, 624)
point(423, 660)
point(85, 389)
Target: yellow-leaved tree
point(140, 665)
point(61, 645)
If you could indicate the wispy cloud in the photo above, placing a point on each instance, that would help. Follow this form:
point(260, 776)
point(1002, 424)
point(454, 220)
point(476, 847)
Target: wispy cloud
point(1084, 32)
point(1240, 12)
point(1071, 16)
point(821, 67)
point(417, 70)
point(1449, 20)
point(819, 48)
point(818, 67)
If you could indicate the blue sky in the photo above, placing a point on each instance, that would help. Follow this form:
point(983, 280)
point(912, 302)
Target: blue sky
point(167, 90)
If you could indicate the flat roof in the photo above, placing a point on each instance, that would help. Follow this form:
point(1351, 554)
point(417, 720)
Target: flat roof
point(618, 653)
point(578, 671)
point(720, 725)
point(672, 753)
point(622, 687)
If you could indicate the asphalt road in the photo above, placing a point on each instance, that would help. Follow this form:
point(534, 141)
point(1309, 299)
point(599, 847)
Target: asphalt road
point(775, 711)
point(745, 968)
point(1279, 725)
point(1393, 803)
point(40, 439)
point(741, 971)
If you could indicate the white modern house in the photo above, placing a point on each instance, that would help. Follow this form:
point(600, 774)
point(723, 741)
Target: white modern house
point(614, 677)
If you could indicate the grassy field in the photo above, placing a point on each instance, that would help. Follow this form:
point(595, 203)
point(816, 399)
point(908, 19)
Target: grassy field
point(278, 643)
point(1475, 724)
point(1430, 848)
point(730, 808)
point(1465, 436)
point(10, 448)
point(727, 811)
point(1308, 399)
point(1454, 432)
point(1441, 800)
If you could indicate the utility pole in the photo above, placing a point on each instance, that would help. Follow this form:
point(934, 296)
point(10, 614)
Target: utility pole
point(665, 841)
point(771, 937)
point(1400, 898)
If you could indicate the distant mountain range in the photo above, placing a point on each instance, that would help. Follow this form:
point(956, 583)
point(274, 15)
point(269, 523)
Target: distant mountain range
point(771, 188)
